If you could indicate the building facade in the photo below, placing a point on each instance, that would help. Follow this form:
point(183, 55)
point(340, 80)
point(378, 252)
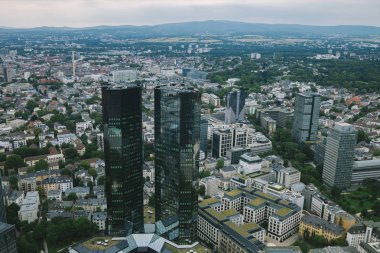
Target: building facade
point(7, 238)
point(177, 145)
point(235, 103)
point(306, 115)
point(3, 217)
point(123, 152)
point(339, 157)
point(203, 134)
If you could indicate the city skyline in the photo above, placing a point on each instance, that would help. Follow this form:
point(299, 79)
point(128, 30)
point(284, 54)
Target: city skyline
point(82, 13)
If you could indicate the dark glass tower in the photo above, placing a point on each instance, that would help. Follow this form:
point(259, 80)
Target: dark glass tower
point(235, 102)
point(203, 135)
point(123, 149)
point(177, 134)
point(7, 238)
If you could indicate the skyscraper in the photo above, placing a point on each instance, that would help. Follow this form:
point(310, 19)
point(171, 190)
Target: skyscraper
point(203, 134)
point(123, 152)
point(339, 156)
point(306, 115)
point(3, 217)
point(177, 144)
point(235, 102)
point(7, 238)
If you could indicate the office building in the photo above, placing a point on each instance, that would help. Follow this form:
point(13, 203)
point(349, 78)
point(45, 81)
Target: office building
point(121, 76)
point(225, 230)
point(177, 133)
point(221, 142)
point(3, 217)
point(123, 153)
point(319, 151)
point(280, 216)
point(7, 238)
point(203, 134)
point(306, 115)
point(364, 232)
point(339, 157)
point(8, 73)
point(362, 170)
point(312, 225)
point(283, 117)
point(235, 103)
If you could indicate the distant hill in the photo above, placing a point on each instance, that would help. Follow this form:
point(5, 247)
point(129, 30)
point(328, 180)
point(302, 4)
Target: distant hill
point(218, 28)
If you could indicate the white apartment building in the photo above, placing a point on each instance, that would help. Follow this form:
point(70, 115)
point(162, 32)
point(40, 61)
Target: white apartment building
point(29, 207)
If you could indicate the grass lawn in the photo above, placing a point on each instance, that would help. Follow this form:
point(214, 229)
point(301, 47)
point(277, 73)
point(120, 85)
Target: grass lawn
point(356, 201)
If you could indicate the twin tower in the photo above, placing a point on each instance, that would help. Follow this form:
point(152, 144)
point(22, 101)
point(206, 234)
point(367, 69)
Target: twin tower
point(177, 115)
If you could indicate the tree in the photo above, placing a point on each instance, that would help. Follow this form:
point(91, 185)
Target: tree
point(204, 173)
point(13, 181)
point(219, 164)
point(71, 153)
point(41, 165)
point(12, 214)
point(362, 136)
point(30, 105)
point(92, 172)
point(3, 157)
point(101, 180)
point(72, 197)
point(14, 162)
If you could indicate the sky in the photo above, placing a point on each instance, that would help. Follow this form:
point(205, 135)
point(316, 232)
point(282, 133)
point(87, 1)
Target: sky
point(84, 13)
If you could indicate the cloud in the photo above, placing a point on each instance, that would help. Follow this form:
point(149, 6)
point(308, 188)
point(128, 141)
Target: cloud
point(80, 13)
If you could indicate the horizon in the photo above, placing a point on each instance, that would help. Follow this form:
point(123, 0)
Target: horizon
point(185, 22)
point(85, 13)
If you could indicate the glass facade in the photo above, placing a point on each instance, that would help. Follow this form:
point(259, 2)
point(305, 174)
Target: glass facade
point(3, 217)
point(306, 116)
point(235, 102)
point(123, 152)
point(203, 136)
point(7, 238)
point(177, 145)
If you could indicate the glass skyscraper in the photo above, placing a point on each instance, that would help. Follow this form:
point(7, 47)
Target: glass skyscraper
point(306, 116)
point(177, 144)
point(235, 102)
point(123, 152)
point(203, 135)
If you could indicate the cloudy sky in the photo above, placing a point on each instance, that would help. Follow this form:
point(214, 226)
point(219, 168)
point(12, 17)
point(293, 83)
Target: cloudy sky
point(82, 13)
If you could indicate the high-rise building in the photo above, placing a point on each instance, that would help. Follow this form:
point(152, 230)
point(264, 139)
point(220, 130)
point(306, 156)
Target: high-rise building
point(203, 134)
point(123, 153)
point(235, 103)
point(339, 156)
point(306, 115)
point(221, 142)
point(8, 73)
point(177, 145)
point(7, 238)
point(3, 217)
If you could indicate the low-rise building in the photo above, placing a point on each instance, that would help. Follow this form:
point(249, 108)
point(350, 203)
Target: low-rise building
point(99, 218)
point(282, 216)
point(80, 192)
point(55, 195)
point(91, 205)
point(29, 207)
point(312, 225)
point(225, 229)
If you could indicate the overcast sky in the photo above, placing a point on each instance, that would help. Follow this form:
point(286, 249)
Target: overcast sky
point(82, 13)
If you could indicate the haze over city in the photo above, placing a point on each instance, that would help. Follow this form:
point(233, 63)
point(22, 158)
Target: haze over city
point(84, 13)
